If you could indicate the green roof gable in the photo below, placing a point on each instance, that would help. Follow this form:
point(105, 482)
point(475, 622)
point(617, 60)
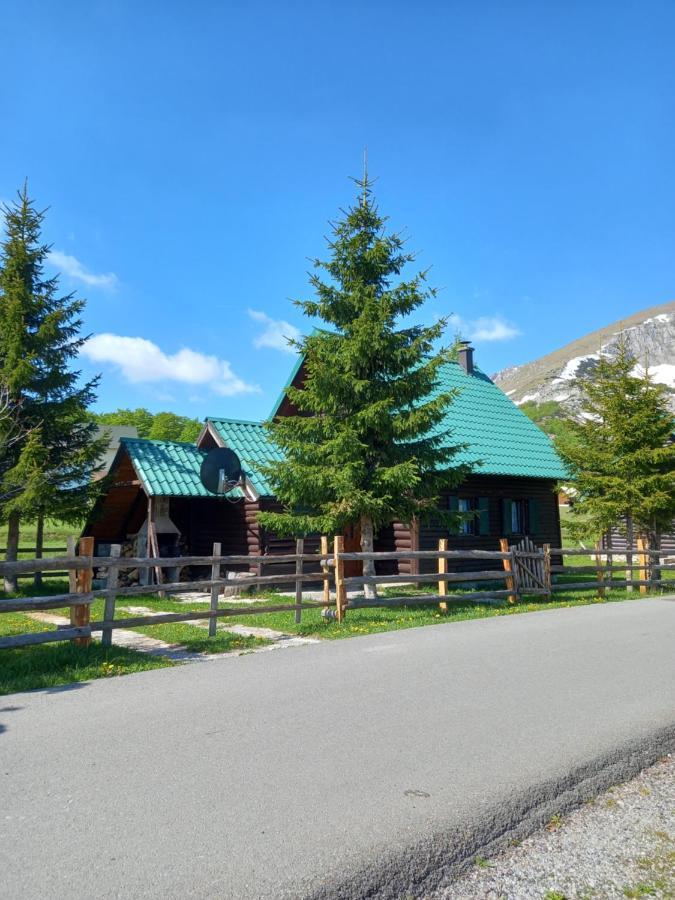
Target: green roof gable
point(250, 442)
point(168, 468)
point(499, 434)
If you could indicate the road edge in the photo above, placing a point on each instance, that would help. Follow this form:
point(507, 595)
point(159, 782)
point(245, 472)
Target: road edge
point(420, 869)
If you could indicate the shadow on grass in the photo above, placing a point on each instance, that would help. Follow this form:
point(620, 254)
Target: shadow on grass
point(64, 667)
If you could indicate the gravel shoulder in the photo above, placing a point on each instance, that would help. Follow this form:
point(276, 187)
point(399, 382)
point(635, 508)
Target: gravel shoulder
point(621, 844)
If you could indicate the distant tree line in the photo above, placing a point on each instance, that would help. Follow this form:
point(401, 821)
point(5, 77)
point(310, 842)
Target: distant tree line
point(162, 426)
point(551, 417)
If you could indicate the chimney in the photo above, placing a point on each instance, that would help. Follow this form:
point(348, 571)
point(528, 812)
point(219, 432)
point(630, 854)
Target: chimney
point(465, 356)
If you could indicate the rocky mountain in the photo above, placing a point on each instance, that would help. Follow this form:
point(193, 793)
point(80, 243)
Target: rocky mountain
point(650, 335)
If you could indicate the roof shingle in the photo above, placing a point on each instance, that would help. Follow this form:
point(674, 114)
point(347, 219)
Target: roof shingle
point(250, 442)
point(168, 468)
point(502, 439)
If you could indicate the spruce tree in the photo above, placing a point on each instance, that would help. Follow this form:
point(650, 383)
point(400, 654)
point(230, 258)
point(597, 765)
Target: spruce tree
point(39, 340)
point(365, 445)
point(621, 453)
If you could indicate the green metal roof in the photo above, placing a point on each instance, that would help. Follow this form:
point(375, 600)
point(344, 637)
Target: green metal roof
point(499, 434)
point(168, 468)
point(502, 439)
point(250, 442)
point(289, 382)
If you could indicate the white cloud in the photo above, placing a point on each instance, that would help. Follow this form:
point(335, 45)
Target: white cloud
point(73, 268)
point(275, 332)
point(141, 361)
point(485, 328)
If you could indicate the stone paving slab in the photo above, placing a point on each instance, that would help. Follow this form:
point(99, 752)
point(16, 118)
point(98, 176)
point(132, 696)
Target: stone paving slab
point(143, 643)
point(134, 640)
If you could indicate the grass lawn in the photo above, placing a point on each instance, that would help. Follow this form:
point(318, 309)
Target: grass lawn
point(56, 534)
point(370, 621)
point(50, 665)
point(357, 621)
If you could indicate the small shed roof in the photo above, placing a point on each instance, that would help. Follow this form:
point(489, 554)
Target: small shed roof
point(168, 468)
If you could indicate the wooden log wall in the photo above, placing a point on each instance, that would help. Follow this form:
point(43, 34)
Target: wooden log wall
point(121, 510)
point(205, 521)
point(495, 489)
point(617, 541)
point(271, 545)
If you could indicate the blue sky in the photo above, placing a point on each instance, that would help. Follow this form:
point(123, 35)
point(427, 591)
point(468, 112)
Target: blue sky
point(192, 153)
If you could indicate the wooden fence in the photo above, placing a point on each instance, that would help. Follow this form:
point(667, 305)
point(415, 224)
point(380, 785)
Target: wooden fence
point(523, 569)
point(34, 551)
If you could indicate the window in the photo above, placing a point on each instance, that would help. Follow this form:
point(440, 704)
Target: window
point(479, 521)
point(520, 516)
point(467, 505)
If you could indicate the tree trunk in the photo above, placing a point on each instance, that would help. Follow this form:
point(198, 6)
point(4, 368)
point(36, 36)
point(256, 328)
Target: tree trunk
point(13, 523)
point(367, 544)
point(39, 543)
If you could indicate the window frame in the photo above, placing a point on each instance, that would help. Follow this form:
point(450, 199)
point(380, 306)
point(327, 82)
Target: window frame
point(479, 524)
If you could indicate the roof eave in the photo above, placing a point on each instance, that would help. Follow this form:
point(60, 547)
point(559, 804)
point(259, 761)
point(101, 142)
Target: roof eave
point(280, 398)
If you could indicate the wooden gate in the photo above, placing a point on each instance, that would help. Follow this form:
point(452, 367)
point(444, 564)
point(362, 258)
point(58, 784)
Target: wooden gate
point(531, 568)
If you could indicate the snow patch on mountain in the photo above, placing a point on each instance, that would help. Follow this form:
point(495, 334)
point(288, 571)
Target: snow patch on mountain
point(662, 374)
point(650, 336)
point(576, 366)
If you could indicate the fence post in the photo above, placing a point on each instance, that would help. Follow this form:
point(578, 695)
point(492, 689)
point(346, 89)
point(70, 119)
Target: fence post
point(442, 570)
point(299, 550)
point(215, 590)
point(629, 554)
point(110, 597)
point(643, 563)
point(72, 573)
point(548, 581)
point(599, 571)
point(325, 569)
point(338, 548)
point(655, 573)
point(39, 546)
point(508, 567)
point(80, 613)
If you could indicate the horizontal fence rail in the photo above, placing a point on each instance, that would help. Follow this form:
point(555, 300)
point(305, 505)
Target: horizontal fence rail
point(518, 571)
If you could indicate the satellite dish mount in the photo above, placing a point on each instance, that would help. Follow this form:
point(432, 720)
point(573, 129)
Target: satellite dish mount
point(221, 471)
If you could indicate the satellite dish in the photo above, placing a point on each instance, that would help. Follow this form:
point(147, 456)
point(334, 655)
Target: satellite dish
point(220, 470)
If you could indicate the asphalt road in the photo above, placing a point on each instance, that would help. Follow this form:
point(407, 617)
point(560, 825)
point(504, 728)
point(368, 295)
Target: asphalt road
point(356, 768)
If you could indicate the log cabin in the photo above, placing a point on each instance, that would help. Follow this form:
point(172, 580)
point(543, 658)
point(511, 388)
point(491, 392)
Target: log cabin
point(511, 489)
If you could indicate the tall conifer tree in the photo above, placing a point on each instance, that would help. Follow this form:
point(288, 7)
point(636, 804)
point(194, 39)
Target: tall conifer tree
point(39, 340)
point(365, 445)
point(621, 452)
